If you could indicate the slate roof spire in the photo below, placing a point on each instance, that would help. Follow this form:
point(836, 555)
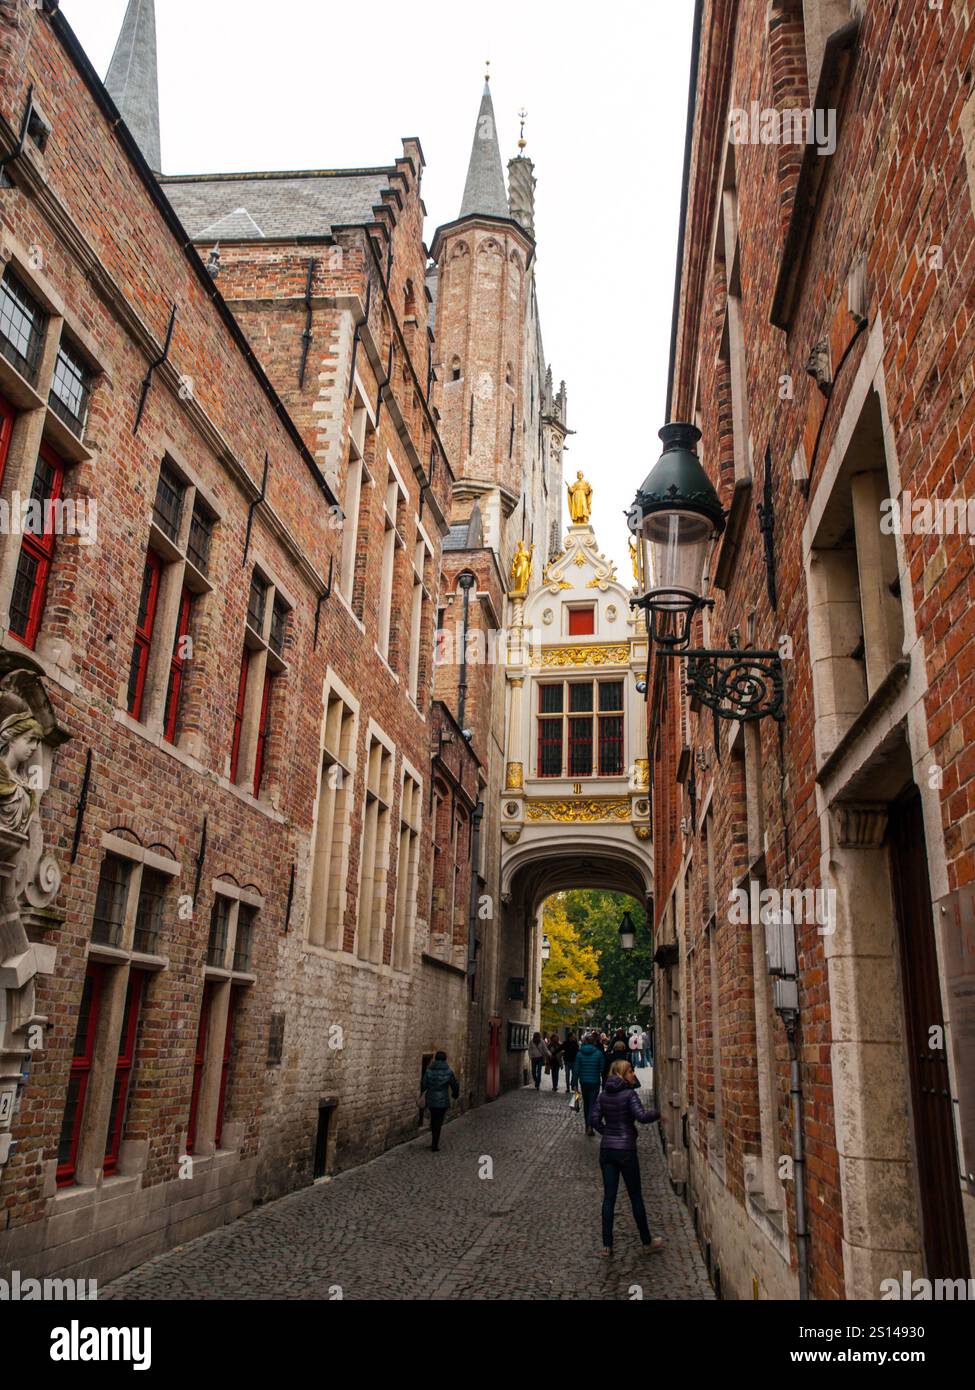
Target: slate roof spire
point(484, 191)
point(133, 80)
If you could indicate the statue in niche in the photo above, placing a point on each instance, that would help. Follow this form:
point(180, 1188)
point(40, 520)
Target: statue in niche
point(521, 568)
point(580, 500)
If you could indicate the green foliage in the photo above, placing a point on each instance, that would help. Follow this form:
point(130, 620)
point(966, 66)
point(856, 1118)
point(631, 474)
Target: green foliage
point(595, 914)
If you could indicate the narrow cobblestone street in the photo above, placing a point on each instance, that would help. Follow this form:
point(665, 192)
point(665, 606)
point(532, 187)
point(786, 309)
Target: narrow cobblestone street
point(417, 1225)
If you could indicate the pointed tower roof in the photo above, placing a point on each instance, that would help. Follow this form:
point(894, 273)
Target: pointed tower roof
point(484, 191)
point(132, 79)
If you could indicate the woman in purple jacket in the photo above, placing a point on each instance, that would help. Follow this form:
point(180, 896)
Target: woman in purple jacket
point(616, 1112)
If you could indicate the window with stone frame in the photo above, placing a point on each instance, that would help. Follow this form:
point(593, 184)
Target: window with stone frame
point(580, 725)
point(40, 357)
point(37, 548)
point(420, 605)
point(128, 928)
point(362, 444)
point(330, 861)
point(374, 856)
point(393, 540)
point(856, 618)
point(256, 713)
point(173, 589)
point(227, 976)
point(407, 870)
point(762, 1181)
point(731, 350)
point(712, 936)
point(23, 325)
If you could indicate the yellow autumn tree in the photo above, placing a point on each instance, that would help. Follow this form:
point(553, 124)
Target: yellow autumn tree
point(570, 976)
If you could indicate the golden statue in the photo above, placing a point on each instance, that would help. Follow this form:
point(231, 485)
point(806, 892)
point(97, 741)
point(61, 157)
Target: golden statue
point(635, 560)
point(521, 568)
point(580, 500)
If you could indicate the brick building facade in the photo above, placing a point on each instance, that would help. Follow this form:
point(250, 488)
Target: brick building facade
point(822, 343)
point(273, 816)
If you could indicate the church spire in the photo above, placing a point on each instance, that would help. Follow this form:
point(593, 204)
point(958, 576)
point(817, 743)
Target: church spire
point(132, 80)
point(484, 191)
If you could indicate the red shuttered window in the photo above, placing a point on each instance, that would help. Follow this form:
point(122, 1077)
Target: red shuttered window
point(199, 1061)
point(37, 549)
point(7, 417)
point(123, 1069)
point(177, 666)
point(239, 713)
point(142, 642)
point(80, 1075)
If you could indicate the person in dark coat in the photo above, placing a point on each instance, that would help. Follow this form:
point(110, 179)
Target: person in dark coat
point(617, 1053)
point(438, 1085)
point(616, 1112)
point(555, 1059)
point(569, 1053)
point(589, 1075)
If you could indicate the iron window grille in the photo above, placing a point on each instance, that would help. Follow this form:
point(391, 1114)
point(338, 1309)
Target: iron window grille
point(219, 926)
point(110, 900)
point(279, 627)
point(70, 389)
point(256, 603)
point(200, 538)
point(148, 917)
point(245, 937)
point(22, 324)
point(167, 511)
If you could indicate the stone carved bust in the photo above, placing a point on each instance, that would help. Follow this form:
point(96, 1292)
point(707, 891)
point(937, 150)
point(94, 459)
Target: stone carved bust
point(20, 735)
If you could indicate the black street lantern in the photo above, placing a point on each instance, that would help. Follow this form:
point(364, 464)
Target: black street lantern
point(677, 516)
point(627, 933)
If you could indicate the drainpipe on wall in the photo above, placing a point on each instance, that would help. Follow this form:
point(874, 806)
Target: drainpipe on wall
point(798, 1158)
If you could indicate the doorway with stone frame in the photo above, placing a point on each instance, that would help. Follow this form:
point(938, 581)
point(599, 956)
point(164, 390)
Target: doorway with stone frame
point(883, 861)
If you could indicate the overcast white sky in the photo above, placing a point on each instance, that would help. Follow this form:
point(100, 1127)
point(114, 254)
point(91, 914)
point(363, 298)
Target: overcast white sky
point(304, 84)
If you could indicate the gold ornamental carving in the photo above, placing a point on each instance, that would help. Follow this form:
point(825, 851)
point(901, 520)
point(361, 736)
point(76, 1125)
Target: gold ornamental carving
point(617, 655)
point(642, 832)
point(641, 768)
point(593, 808)
point(514, 777)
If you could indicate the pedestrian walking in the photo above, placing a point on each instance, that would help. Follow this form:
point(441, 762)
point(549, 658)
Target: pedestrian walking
point(617, 1053)
point(589, 1075)
point(538, 1056)
point(555, 1059)
point(616, 1112)
point(636, 1048)
point(439, 1084)
point(570, 1051)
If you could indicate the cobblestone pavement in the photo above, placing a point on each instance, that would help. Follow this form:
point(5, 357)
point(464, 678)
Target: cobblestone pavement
point(416, 1225)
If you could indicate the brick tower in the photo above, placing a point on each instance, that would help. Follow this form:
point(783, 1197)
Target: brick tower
point(503, 428)
point(501, 423)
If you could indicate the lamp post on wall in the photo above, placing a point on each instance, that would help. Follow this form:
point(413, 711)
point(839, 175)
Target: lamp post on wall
point(676, 517)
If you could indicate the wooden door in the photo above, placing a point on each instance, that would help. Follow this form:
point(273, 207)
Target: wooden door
point(945, 1246)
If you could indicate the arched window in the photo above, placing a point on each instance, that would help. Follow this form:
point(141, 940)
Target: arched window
point(455, 369)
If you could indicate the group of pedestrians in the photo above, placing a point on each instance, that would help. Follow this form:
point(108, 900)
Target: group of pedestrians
point(603, 1071)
